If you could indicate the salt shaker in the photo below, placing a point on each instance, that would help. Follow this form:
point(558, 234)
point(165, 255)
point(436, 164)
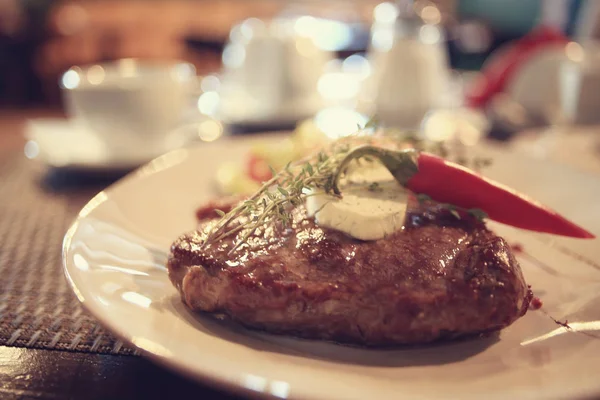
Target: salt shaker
point(410, 65)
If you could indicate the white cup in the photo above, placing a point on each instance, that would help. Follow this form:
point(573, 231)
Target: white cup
point(273, 64)
point(130, 105)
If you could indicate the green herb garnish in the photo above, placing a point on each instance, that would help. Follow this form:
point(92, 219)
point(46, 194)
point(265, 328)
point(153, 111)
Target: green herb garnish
point(286, 189)
point(273, 202)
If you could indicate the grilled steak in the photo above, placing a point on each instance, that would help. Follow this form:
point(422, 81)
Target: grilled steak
point(439, 278)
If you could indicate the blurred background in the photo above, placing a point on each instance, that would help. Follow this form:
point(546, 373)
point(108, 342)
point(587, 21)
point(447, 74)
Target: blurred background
point(40, 39)
point(468, 68)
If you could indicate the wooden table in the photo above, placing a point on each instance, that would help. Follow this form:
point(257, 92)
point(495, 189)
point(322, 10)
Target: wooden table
point(52, 374)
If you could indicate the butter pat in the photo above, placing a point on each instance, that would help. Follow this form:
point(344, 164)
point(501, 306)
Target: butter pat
point(372, 206)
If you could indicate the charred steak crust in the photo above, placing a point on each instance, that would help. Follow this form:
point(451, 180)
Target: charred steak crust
point(438, 278)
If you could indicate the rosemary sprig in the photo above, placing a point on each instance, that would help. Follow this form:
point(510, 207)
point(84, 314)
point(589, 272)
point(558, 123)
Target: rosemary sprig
point(401, 163)
point(287, 189)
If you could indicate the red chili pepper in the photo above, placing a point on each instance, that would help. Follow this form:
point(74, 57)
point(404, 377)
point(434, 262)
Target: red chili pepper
point(447, 182)
point(258, 169)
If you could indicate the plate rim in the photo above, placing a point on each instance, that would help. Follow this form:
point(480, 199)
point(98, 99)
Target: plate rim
point(205, 376)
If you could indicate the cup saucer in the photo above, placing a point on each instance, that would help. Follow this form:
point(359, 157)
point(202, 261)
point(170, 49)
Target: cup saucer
point(66, 144)
point(241, 109)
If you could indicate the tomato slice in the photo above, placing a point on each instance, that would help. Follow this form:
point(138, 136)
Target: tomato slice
point(258, 169)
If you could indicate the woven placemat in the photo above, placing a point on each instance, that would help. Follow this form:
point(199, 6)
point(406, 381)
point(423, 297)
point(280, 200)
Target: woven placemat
point(37, 307)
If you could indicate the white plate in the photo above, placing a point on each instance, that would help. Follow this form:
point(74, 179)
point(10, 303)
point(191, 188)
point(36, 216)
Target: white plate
point(65, 144)
point(232, 105)
point(578, 146)
point(62, 143)
point(240, 111)
point(114, 258)
point(229, 102)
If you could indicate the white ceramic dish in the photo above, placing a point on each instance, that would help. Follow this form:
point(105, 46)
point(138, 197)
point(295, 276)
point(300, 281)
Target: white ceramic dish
point(240, 111)
point(577, 146)
point(271, 70)
point(129, 103)
point(64, 144)
point(227, 101)
point(115, 252)
point(232, 105)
